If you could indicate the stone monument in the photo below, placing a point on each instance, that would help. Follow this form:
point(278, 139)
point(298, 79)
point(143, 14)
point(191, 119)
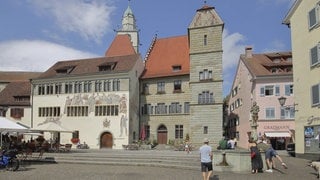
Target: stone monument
point(254, 114)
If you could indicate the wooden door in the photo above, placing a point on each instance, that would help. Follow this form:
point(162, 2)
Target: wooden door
point(162, 134)
point(106, 140)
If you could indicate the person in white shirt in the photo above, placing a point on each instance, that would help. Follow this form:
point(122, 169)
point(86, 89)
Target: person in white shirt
point(206, 159)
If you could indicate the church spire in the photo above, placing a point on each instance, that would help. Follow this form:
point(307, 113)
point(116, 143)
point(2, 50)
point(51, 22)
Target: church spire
point(129, 27)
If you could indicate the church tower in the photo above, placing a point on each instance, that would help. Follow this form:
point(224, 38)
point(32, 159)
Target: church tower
point(129, 27)
point(205, 43)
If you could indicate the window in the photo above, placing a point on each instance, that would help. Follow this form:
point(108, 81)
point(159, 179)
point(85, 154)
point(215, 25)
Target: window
point(314, 17)
point(77, 111)
point(205, 130)
point(288, 89)
point(145, 88)
point(49, 111)
point(277, 90)
point(161, 108)
point(41, 90)
point(179, 131)
point(287, 112)
point(315, 93)
point(68, 88)
point(57, 89)
point(267, 90)
point(187, 107)
point(205, 98)
point(315, 55)
point(270, 114)
point(16, 113)
point(116, 85)
point(77, 87)
point(98, 86)
point(106, 110)
point(235, 91)
point(161, 87)
point(147, 109)
point(50, 89)
point(205, 75)
point(106, 86)
point(87, 86)
point(177, 86)
point(205, 40)
point(176, 68)
point(175, 108)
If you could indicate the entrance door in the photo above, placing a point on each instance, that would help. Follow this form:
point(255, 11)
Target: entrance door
point(106, 140)
point(162, 134)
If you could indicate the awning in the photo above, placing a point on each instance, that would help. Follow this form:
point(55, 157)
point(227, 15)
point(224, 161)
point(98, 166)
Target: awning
point(277, 134)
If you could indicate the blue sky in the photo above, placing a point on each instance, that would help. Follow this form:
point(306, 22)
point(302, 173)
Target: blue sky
point(35, 34)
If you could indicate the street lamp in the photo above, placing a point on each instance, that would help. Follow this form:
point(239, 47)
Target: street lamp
point(282, 100)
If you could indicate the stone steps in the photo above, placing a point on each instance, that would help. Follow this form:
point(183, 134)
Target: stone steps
point(169, 159)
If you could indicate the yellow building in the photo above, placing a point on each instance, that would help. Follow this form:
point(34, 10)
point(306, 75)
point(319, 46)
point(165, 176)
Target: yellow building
point(304, 20)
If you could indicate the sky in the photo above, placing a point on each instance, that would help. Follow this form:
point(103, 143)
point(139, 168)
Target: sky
point(35, 34)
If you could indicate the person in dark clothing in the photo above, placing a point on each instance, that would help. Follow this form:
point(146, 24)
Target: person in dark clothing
point(256, 159)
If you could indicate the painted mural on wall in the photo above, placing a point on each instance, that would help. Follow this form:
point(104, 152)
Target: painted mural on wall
point(91, 100)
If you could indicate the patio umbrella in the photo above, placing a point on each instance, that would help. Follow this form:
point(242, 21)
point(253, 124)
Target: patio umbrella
point(7, 125)
point(143, 133)
point(51, 127)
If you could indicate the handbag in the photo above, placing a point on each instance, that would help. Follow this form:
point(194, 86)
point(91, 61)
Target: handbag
point(253, 154)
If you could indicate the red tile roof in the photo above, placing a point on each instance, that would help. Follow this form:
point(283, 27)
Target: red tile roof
point(15, 89)
point(261, 64)
point(120, 46)
point(10, 76)
point(165, 54)
point(91, 66)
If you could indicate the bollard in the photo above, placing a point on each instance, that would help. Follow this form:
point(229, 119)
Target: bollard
point(224, 160)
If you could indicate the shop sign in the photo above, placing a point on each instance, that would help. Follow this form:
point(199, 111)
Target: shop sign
point(274, 127)
point(311, 119)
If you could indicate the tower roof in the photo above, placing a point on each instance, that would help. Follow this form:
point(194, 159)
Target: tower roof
point(120, 46)
point(206, 16)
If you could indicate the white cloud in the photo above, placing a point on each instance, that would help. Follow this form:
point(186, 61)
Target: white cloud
point(232, 48)
point(276, 46)
point(35, 55)
point(89, 18)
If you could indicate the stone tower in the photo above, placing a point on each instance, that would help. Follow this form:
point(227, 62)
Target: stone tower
point(129, 27)
point(205, 42)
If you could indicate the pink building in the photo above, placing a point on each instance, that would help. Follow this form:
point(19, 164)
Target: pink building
point(262, 78)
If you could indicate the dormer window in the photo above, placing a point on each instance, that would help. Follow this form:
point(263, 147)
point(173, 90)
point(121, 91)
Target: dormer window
point(176, 68)
point(65, 70)
point(276, 60)
point(107, 66)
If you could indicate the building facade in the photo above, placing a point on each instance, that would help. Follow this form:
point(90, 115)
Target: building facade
point(304, 21)
point(182, 83)
point(263, 79)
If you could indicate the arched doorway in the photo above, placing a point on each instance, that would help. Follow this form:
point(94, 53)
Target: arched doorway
point(106, 140)
point(162, 134)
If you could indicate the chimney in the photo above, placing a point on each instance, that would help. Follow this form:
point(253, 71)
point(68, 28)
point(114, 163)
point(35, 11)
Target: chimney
point(248, 52)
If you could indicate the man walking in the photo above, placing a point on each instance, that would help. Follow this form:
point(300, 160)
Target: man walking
point(206, 159)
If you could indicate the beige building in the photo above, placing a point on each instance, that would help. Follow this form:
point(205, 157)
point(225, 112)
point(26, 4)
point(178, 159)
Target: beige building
point(304, 22)
point(182, 83)
point(97, 98)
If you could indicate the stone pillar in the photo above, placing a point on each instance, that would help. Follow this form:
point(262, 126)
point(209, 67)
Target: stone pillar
point(254, 114)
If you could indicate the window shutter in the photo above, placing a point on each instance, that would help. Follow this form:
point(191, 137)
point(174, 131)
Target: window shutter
point(314, 55)
point(315, 92)
point(262, 91)
point(312, 18)
point(277, 90)
point(282, 114)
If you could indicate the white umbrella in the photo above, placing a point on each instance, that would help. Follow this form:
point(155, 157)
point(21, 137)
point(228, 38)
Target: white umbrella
point(51, 127)
point(7, 125)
